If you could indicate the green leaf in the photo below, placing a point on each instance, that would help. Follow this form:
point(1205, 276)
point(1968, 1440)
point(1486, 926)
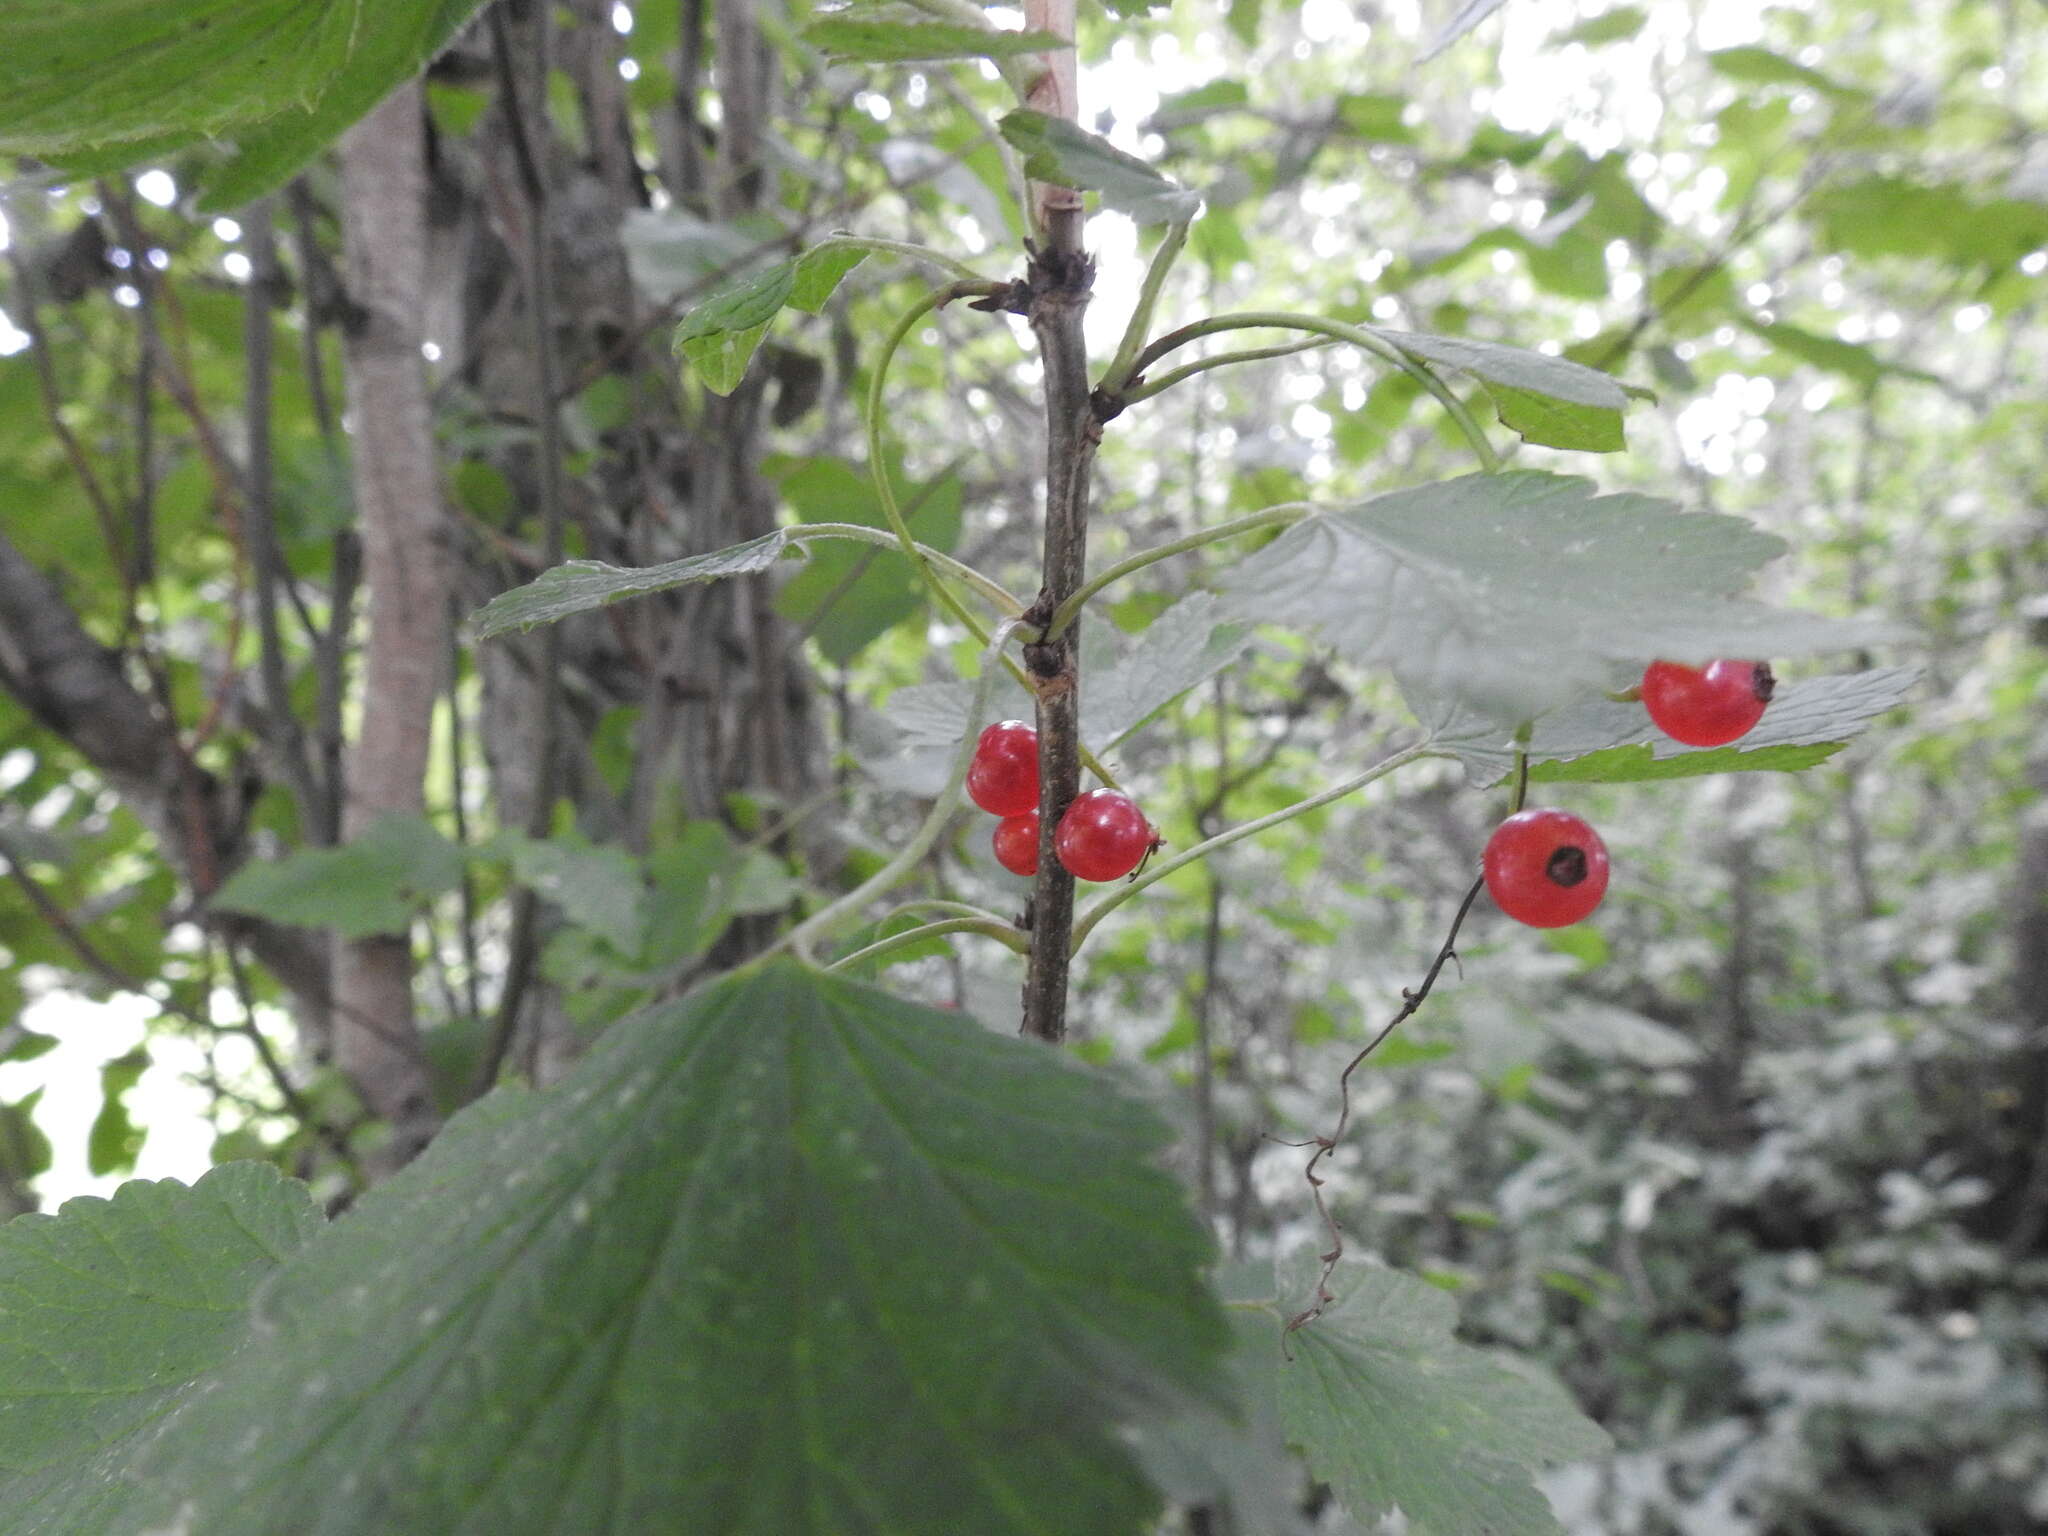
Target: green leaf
point(850, 595)
point(1760, 66)
point(1198, 105)
point(1512, 594)
point(24, 1155)
point(276, 80)
point(1185, 646)
point(1602, 741)
point(1549, 400)
point(576, 586)
point(741, 1270)
point(1394, 1413)
point(392, 43)
point(368, 886)
point(20, 1043)
point(597, 887)
point(718, 338)
point(901, 34)
point(818, 273)
point(1615, 26)
point(1055, 150)
point(1847, 358)
point(92, 72)
point(110, 1312)
point(115, 1141)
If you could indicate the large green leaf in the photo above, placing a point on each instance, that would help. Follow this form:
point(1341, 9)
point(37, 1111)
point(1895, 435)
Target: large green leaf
point(1055, 150)
point(1512, 594)
point(110, 1311)
point(370, 885)
point(98, 84)
point(785, 1258)
point(1601, 740)
point(90, 72)
point(902, 34)
point(1394, 1413)
point(1548, 400)
point(394, 41)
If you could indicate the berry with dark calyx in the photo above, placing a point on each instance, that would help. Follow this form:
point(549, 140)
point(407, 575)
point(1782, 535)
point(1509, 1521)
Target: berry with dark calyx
point(1016, 843)
point(1003, 778)
point(1546, 868)
point(1707, 706)
point(1103, 836)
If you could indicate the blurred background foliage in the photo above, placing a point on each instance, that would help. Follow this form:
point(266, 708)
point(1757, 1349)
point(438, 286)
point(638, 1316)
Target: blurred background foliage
point(1758, 1158)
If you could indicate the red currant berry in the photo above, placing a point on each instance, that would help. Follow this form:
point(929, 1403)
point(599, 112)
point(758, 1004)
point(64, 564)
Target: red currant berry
point(1103, 836)
point(1003, 778)
point(1546, 868)
point(1707, 706)
point(1016, 843)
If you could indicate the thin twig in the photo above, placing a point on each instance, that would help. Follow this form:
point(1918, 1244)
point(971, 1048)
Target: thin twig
point(1411, 1001)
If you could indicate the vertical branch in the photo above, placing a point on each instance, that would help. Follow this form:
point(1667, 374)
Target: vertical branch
point(405, 570)
point(287, 742)
point(1060, 276)
point(529, 143)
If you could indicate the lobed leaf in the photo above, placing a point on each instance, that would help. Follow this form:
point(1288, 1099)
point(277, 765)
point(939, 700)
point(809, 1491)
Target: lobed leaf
point(110, 1312)
point(741, 1270)
point(1509, 595)
point(1395, 1414)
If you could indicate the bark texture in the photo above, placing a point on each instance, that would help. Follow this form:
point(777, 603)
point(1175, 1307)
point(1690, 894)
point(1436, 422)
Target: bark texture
point(1060, 277)
point(406, 583)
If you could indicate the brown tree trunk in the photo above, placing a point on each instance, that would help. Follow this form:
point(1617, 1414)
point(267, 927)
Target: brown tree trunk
point(405, 575)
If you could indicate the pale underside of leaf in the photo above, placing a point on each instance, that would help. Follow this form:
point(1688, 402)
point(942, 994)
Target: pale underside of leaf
point(1512, 594)
point(1603, 740)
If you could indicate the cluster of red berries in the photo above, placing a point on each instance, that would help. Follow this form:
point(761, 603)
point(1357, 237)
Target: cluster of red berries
point(1548, 868)
point(1102, 836)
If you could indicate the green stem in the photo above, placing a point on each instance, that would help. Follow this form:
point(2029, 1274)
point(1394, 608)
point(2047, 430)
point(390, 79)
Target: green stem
point(1358, 336)
point(1166, 381)
point(1085, 924)
point(937, 904)
point(1064, 615)
point(999, 596)
point(1004, 933)
point(1123, 364)
point(805, 933)
point(905, 248)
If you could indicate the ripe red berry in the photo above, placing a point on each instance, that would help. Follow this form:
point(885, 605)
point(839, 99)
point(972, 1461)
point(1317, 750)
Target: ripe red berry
point(1103, 836)
point(1546, 868)
point(1003, 778)
point(1707, 706)
point(1016, 843)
